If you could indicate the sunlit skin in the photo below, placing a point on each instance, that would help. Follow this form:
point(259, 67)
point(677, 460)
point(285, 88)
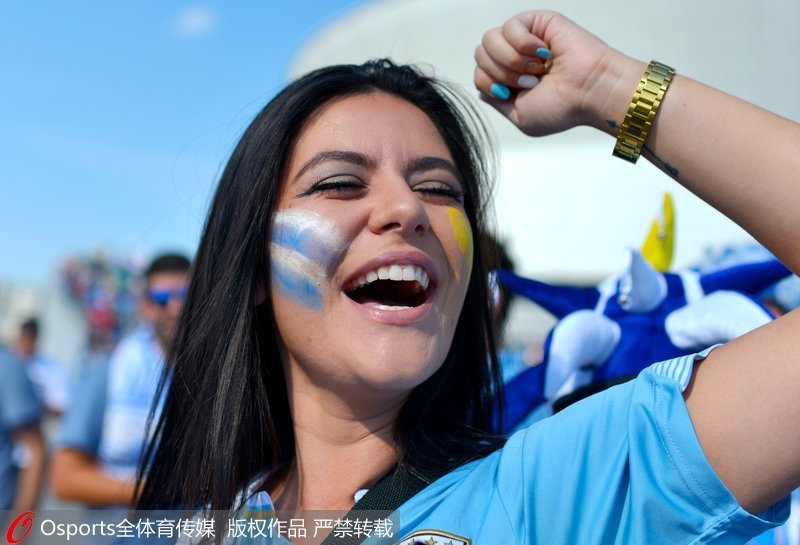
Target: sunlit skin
point(376, 168)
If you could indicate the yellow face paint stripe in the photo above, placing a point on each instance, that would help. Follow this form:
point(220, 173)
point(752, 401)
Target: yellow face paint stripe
point(462, 232)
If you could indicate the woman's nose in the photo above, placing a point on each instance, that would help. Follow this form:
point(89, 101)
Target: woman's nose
point(397, 207)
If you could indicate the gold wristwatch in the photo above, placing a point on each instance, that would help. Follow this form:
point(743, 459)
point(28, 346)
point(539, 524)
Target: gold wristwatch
point(648, 96)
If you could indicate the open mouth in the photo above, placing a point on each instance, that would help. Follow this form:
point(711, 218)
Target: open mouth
point(391, 287)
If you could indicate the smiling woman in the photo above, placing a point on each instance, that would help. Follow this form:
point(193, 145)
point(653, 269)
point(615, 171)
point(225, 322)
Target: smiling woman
point(337, 327)
point(346, 213)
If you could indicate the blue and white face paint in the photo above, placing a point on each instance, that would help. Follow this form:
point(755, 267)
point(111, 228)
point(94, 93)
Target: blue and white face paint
point(304, 245)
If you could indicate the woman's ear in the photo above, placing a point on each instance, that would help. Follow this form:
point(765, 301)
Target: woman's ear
point(261, 295)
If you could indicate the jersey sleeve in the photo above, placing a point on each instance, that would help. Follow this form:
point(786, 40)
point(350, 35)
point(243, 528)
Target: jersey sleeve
point(623, 466)
point(82, 426)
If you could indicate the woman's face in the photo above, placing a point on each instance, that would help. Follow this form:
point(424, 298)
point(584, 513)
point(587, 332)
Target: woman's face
point(371, 251)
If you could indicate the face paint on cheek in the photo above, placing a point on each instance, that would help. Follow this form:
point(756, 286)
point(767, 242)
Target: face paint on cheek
point(303, 246)
point(463, 233)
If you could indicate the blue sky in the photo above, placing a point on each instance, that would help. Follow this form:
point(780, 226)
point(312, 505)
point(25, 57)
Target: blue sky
point(116, 117)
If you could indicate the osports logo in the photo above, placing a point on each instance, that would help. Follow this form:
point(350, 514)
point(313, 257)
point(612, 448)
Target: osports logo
point(25, 520)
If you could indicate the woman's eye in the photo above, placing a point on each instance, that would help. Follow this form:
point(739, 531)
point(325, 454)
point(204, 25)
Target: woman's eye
point(440, 190)
point(336, 186)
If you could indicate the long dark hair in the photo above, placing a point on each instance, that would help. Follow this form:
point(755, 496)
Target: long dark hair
point(226, 416)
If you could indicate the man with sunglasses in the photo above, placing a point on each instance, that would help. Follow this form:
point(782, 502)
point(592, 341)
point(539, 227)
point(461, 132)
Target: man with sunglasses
point(104, 430)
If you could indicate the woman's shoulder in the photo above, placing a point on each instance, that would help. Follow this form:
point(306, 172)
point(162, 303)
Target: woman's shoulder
point(596, 469)
point(647, 408)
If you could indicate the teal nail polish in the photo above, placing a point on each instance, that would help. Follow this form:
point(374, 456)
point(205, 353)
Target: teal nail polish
point(544, 53)
point(498, 90)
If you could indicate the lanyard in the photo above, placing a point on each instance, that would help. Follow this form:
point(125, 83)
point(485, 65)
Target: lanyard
point(389, 493)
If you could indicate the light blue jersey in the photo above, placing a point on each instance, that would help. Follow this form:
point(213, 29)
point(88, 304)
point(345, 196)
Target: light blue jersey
point(108, 418)
point(621, 467)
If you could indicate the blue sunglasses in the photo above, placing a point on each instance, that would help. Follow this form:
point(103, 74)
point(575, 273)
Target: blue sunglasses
point(161, 297)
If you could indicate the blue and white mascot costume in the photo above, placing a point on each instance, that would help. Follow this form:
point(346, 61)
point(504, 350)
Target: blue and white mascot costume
point(610, 332)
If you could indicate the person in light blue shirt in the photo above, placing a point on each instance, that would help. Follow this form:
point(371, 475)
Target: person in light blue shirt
point(337, 324)
point(104, 431)
point(20, 438)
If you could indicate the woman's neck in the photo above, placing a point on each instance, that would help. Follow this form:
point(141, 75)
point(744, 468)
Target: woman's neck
point(337, 453)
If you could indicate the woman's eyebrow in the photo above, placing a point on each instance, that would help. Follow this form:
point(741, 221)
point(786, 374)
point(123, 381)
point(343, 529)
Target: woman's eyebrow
point(433, 163)
point(353, 157)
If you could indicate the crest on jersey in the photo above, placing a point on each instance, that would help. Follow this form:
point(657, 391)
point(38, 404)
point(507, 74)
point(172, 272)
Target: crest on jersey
point(433, 537)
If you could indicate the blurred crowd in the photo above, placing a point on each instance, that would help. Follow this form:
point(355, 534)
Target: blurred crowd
point(78, 439)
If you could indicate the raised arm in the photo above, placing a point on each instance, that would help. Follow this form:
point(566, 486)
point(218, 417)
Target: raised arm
point(741, 159)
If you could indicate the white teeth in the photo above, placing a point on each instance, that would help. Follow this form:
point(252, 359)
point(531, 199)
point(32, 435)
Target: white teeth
point(395, 272)
point(391, 307)
point(406, 273)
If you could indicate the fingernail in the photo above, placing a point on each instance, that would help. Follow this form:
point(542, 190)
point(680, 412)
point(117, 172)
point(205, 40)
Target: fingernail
point(544, 53)
point(498, 90)
point(526, 81)
point(535, 64)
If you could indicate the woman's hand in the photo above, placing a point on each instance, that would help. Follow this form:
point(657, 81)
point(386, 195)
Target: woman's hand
point(557, 75)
